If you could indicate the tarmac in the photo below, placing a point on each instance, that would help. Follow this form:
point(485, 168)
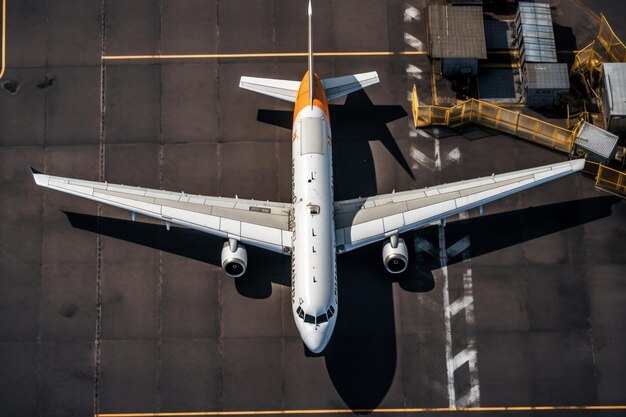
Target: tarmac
point(520, 306)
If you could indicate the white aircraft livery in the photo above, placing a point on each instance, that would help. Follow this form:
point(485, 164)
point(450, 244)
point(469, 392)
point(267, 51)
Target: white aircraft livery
point(312, 228)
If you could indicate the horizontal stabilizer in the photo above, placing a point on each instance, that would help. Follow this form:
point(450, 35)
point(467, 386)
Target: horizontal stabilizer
point(342, 86)
point(281, 89)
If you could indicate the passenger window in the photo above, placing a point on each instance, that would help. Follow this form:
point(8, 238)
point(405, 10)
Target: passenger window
point(322, 319)
point(313, 209)
point(309, 319)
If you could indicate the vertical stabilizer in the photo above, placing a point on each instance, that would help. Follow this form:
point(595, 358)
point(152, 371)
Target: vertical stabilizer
point(311, 76)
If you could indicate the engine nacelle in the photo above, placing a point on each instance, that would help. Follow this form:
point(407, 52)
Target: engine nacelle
point(234, 258)
point(395, 255)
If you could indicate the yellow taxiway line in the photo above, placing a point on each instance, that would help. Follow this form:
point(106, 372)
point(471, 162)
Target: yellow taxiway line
point(4, 33)
point(260, 55)
point(283, 55)
point(379, 410)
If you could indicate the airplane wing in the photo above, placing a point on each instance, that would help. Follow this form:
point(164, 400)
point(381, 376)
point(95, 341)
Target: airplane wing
point(259, 223)
point(362, 221)
point(282, 89)
point(342, 86)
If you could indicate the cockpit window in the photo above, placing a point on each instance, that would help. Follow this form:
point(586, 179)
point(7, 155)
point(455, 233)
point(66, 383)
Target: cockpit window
point(313, 209)
point(322, 318)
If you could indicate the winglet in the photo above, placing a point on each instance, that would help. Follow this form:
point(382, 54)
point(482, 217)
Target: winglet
point(578, 164)
point(40, 177)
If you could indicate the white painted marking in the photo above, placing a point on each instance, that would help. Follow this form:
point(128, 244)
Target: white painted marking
point(469, 354)
point(453, 156)
point(414, 72)
point(471, 399)
point(413, 42)
point(446, 317)
point(463, 356)
point(458, 247)
point(468, 289)
point(448, 326)
point(421, 159)
point(422, 133)
point(423, 245)
point(412, 13)
point(459, 305)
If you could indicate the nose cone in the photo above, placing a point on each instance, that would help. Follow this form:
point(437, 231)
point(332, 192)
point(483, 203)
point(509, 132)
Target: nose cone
point(316, 341)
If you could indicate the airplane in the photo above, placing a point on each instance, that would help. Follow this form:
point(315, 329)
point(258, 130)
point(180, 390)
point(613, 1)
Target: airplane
point(313, 228)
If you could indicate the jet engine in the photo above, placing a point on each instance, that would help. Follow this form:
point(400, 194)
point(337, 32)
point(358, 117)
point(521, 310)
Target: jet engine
point(234, 258)
point(395, 255)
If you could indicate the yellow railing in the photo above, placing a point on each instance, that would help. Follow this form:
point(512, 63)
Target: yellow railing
point(588, 66)
point(495, 117)
point(611, 43)
point(607, 179)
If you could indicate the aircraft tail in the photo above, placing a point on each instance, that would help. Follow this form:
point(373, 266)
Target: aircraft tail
point(311, 78)
point(288, 90)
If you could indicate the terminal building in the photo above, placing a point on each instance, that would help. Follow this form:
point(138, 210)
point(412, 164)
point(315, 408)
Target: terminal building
point(614, 96)
point(543, 78)
point(542, 83)
point(534, 34)
point(456, 38)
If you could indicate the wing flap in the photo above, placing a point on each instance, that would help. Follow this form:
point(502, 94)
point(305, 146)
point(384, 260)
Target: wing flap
point(263, 224)
point(367, 220)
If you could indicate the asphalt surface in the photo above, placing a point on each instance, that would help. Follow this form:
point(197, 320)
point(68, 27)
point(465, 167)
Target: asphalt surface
point(102, 315)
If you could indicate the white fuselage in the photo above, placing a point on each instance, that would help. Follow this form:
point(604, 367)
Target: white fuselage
point(313, 261)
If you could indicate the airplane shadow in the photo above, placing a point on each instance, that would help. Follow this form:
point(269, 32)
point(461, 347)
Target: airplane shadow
point(361, 357)
point(354, 124)
point(193, 245)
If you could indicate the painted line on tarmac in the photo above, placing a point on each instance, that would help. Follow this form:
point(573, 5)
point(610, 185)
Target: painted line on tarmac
point(375, 411)
point(256, 55)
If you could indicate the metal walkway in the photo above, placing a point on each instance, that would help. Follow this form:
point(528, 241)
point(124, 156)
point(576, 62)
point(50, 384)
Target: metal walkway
point(516, 124)
point(495, 117)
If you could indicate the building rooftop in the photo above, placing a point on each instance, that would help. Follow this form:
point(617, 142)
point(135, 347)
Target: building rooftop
point(615, 88)
point(498, 34)
point(456, 32)
point(596, 140)
point(552, 76)
point(535, 33)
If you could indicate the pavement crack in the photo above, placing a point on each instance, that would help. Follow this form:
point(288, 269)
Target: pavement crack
point(101, 176)
point(159, 341)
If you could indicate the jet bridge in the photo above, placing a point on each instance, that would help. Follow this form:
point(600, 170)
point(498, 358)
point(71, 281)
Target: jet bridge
point(495, 117)
point(522, 126)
